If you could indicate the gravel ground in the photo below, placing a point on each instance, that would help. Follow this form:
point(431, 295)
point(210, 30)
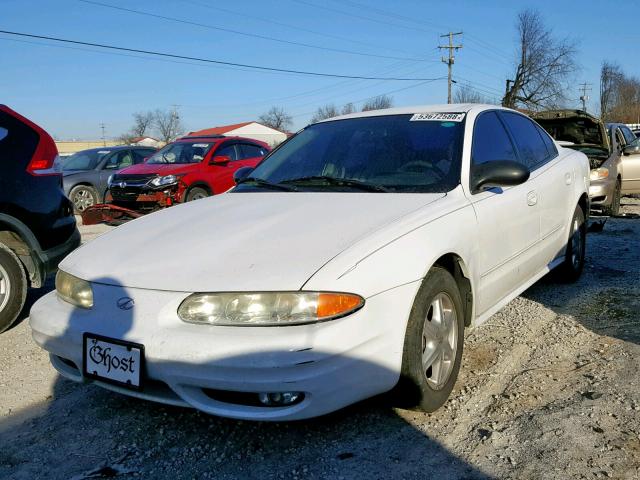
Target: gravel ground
point(548, 389)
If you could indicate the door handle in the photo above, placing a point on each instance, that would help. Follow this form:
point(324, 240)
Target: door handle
point(568, 178)
point(532, 198)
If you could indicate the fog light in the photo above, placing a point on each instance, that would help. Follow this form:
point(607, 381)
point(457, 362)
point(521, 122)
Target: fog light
point(279, 399)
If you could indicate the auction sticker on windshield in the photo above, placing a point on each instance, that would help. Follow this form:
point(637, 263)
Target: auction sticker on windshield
point(437, 117)
point(113, 361)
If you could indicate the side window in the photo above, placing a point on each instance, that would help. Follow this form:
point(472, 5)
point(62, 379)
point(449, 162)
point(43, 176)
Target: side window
point(628, 135)
point(551, 147)
point(251, 151)
point(119, 160)
point(490, 140)
point(140, 155)
point(530, 145)
point(3, 133)
point(227, 150)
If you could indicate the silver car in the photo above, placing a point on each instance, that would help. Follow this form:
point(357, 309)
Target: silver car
point(630, 165)
point(581, 131)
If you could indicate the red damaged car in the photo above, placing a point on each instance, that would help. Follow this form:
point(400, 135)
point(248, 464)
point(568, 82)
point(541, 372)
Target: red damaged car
point(188, 169)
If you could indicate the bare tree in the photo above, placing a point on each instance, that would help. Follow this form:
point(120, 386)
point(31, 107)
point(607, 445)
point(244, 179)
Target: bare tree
point(168, 124)
point(543, 67)
point(348, 108)
point(378, 103)
point(276, 118)
point(142, 123)
point(610, 77)
point(326, 111)
point(466, 94)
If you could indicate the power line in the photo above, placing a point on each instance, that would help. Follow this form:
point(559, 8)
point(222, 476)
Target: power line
point(293, 27)
point(238, 32)
point(218, 62)
point(451, 59)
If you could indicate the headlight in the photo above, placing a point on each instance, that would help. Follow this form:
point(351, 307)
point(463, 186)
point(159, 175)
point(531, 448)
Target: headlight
point(599, 173)
point(267, 308)
point(74, 290)
point(162, 181)
point(109, 180)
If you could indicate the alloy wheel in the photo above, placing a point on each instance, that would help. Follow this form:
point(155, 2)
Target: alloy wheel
point(83, 199)
point(5, 288)
point(439, 341)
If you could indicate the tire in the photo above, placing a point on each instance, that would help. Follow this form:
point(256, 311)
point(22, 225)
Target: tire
point(432, 354)
point(13, 287)
point(83, 197)
point(196, 193)
point(613, 209)
point(571, 269)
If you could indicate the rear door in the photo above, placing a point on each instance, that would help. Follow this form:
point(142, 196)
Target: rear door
point(631, 171)
point(508, 219)
point(551, 181)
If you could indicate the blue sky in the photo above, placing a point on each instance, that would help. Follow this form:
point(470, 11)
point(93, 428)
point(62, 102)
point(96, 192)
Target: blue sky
point(70, 91)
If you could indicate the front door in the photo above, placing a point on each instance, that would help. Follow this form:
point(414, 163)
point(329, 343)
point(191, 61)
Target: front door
point(508, 218)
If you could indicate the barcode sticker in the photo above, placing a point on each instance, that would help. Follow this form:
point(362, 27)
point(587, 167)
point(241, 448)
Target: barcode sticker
point(437, 117)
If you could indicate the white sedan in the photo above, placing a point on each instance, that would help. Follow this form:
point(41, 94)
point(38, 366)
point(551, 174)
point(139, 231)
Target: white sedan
point(348, 264)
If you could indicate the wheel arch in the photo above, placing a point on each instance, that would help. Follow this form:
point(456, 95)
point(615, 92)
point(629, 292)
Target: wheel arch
point(455, 265)
point(23, 243)
point(198, 184)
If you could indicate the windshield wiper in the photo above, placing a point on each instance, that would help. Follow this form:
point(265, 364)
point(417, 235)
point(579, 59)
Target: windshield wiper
point(267, 184)
point(341, 182)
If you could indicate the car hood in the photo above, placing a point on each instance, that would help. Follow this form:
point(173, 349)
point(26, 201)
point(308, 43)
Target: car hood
point(575, 129)
point(157, 168)
point(239, 241)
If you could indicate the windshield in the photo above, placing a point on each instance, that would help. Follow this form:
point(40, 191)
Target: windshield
point(181, 152)
point(85, 160)
point(398, 153)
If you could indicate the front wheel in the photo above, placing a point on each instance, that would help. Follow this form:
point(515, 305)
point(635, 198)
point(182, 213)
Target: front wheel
point(13, 288)
point(196, 193)
point(433, 344)
point(571, 268)
point(83, 197)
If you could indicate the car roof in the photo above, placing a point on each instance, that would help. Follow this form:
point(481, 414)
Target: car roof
point(443, 108)
point(114, 148)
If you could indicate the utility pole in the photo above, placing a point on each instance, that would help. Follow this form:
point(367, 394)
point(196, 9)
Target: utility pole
point(451, 59)
point(104, 139)
point(584, 87)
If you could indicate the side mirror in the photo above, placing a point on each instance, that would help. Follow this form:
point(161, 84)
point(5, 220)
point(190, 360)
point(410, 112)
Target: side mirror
point(631, 149)
point(500, 173)
point(220, 159)
point(242, 173)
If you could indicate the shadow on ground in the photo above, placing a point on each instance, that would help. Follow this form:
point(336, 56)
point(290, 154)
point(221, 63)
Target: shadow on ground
point(85, 427)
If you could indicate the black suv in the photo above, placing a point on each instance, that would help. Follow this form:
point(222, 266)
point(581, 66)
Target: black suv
point(37, 226)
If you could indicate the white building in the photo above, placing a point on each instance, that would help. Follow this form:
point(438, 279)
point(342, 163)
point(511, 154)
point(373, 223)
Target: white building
point(253, 130)
point(146, 142)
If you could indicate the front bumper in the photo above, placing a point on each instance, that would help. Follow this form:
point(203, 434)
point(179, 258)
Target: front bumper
point(601, 192)
point(334, 363)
